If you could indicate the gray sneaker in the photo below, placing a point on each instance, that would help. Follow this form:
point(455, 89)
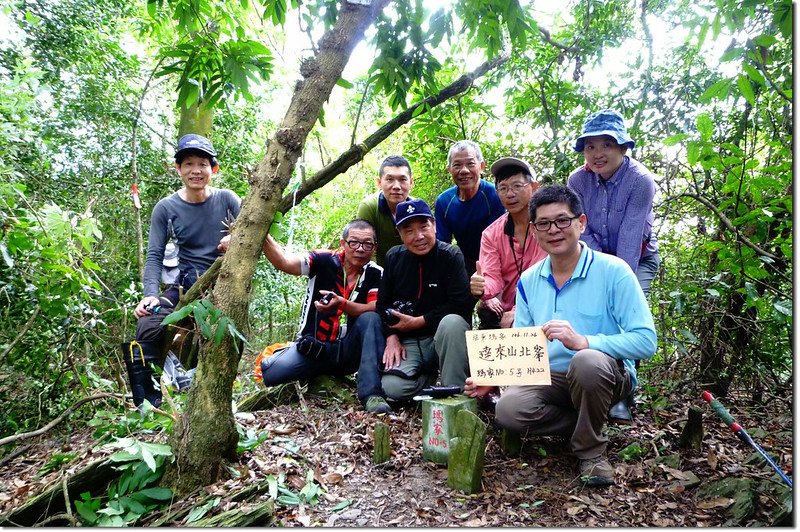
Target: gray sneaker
point(377, 405)
point(597, 472)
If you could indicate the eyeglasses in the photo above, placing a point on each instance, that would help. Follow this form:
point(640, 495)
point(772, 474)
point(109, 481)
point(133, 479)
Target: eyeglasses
point(516, 187)
point(353, 244)
point(561, 223)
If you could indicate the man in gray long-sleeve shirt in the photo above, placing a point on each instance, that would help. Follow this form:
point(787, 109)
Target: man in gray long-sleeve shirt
point(197, 218)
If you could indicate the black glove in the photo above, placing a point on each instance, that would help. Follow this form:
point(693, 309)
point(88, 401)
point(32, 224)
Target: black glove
point(310, 347)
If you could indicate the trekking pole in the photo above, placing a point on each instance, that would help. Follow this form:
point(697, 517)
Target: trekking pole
point(742, 434)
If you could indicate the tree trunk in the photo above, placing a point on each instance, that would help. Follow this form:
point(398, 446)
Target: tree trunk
point(197, 118)
point(205, 434)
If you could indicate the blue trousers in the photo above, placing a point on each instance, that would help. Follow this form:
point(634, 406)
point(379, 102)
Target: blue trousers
point(360, 350)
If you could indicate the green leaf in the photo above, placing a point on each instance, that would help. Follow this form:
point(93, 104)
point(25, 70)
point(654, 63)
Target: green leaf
point(675, 139)
point(178, 315)
point(717, 91)
point(156, 494)
point(147, 456)
point(344, 83)
point(755, 75)
point(705, 126)
point(765, 40)
point(746, 89)
point(784, 307)
point(341, 506)
point(85, 511)
point(220, 330)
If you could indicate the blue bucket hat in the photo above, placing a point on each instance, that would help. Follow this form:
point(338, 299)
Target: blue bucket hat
point(412, 208)
point(195, 142)
point(605, 122)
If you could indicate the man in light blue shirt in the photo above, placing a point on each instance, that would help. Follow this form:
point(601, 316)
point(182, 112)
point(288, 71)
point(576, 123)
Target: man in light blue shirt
point(597, 322)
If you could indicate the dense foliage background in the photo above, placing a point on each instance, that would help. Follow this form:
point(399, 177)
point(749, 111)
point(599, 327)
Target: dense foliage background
point(93, 95)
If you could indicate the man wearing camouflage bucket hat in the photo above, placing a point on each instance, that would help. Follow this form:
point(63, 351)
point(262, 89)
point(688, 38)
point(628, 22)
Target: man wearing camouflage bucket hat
point(617, 194)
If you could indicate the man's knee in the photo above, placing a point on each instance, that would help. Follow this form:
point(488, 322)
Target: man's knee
point(507, 414)
point(368, 320)
point(450, 334)
point(589, 368)
point(398, 388)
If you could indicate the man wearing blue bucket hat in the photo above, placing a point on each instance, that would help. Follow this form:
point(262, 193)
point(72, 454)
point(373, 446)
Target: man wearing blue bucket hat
point(617, 194)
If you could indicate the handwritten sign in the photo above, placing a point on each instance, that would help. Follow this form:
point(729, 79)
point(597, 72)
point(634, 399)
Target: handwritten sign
point(501, 357)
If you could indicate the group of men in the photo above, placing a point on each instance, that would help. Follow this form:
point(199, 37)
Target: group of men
point(400, 322)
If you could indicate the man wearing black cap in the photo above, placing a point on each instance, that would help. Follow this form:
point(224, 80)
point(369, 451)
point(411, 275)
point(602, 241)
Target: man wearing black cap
point(199, 217)
point(426, 307)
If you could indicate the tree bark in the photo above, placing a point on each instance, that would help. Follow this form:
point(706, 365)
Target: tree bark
point(205, 434)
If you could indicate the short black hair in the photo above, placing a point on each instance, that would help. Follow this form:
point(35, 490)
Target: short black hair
point(394, 160)
point(511, 170)
point(183, 154)
point(555, 194)
point(358, 223)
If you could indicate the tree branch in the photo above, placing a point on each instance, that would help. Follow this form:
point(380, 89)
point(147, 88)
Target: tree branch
point(549, 40)
point(357, 152)
point(56, 421)
point(21, 333)
point(729, 225)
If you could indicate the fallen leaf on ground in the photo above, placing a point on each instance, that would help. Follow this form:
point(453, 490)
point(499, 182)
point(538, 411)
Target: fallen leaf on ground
point(719, 502)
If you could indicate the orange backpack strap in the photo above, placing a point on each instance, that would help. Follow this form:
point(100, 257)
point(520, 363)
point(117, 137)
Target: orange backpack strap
point(267, 352)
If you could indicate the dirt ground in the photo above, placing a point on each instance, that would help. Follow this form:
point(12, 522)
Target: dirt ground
point(333, 439)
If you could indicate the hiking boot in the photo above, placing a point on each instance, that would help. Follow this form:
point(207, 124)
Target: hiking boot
point(620, 413)
point(377, 405)
point(597, 472)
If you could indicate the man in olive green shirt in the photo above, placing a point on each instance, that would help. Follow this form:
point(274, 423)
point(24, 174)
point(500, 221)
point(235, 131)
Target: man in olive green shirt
point(395, 182)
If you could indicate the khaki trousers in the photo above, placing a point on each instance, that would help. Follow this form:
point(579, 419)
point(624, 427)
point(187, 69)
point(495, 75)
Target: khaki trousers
point(575, 404)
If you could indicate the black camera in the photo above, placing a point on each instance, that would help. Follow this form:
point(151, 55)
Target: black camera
point(324, 300)
point(403, 307)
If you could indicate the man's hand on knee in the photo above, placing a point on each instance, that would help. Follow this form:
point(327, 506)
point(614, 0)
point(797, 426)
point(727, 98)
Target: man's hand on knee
point(394, 352)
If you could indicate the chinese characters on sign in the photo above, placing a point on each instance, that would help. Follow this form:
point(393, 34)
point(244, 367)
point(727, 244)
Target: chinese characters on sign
point(436, 437)
point(502, 357)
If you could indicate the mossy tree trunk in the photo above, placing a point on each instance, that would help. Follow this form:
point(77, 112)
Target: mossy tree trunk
point(205, 434)
point(196, 118)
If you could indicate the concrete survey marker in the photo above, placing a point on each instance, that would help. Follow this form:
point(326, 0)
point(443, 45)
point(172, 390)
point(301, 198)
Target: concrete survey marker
point(438, 424)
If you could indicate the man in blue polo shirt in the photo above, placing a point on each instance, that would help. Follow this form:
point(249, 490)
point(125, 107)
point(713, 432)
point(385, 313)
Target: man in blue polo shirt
point(597, 323)
point(466, 209)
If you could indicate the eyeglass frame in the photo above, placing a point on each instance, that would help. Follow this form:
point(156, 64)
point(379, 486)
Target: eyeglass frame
point(355, 244)
point(555, 222)
point(516, 187)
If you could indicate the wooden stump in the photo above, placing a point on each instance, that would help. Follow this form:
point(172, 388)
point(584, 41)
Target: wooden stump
point(692, 434)
point(510, 442)
point(467, 452)
point(381, 450)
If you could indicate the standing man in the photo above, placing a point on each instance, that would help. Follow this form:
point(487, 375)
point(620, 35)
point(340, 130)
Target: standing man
point(597, 322)
point(426, 307)
point(199, 216)
point(394, 182)
point(339, 330)
point(508, 246)
point(466, 209)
